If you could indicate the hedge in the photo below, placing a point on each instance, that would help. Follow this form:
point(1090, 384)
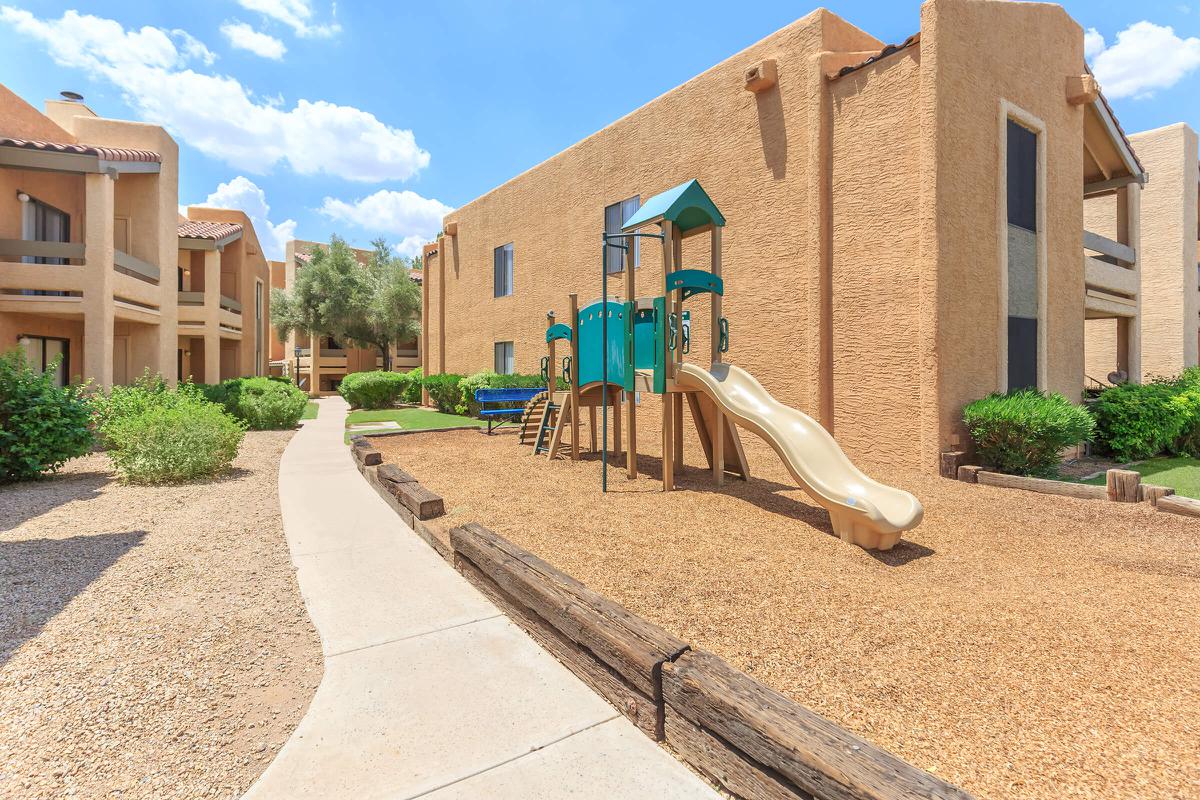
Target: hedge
point(42, 426)
point(1023, 432)
point(262, 403)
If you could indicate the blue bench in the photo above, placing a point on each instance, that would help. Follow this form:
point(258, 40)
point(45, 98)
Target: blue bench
point(498, 403)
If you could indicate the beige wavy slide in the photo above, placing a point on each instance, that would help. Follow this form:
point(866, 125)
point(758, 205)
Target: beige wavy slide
point(863, 511)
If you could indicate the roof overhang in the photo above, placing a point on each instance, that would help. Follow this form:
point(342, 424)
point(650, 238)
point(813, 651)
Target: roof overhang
point(193, 243)
point(57, 161)
point(1109, 161)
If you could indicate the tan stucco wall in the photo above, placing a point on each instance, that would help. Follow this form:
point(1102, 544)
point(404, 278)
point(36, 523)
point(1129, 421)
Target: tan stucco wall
point(20, 120)
point(13, 326)
point(974, 55)
point(1168, 254)
point(862, 253)
point(754, 156)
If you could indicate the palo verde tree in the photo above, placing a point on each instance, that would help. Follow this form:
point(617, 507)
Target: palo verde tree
point(371, 305)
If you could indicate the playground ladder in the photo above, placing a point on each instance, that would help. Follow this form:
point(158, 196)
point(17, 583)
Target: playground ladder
point(541, 446)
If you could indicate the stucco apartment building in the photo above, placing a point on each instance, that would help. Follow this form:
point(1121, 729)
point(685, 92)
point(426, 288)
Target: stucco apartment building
point(1166, 257)
point(904, 224)
point(96, 265)
point(335, 360)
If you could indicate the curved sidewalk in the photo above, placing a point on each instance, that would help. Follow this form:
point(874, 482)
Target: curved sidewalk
point(429, 691)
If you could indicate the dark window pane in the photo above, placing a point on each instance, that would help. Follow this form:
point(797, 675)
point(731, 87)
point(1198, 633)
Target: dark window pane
point(1022, 177)
point(1022, 353)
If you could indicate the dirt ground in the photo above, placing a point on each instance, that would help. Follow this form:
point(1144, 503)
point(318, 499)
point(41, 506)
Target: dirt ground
point(153, 642)
point(1016, 644)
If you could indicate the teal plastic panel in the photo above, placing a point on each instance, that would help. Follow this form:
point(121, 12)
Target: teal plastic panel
point(558, 331)
point(592, 348)
point(694, 281)
point(660, 343)
point(644, 339)
point(687, 205)
point(630, 311)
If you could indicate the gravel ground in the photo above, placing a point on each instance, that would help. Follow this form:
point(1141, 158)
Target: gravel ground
point(153, 642)
point(1019, 645)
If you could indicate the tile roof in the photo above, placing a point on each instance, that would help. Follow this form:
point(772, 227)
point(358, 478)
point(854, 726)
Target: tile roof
point(884, 53)
point(198, 229)
point(105, 153)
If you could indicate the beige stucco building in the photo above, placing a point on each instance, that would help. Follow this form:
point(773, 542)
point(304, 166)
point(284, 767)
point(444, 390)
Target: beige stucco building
point(1166, 259)
point(335, 360)
point(224, 296)
point(904, 224)
point(95, 266)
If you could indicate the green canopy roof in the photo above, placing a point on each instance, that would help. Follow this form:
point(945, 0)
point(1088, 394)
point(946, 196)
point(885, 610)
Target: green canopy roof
point(687, 205)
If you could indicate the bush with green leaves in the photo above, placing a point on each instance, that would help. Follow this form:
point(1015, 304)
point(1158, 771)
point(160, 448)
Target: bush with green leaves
point(412, 391)
point(375, 389)
point(1187, 443)
point(174, 441)
point(1023, 432)
point(443, 391)
point(262, 403)
point(1139, 420)
point(42, 426)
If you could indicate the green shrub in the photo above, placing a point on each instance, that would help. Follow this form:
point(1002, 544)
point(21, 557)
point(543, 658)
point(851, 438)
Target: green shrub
point(145, 392)
point(174, 441)
point(443, 391)
point(1187, 443)
point(1023, 432)
point(1139, 420)
point(262, 403)
point(376, 389)
point(412, 392)
point(42, 426)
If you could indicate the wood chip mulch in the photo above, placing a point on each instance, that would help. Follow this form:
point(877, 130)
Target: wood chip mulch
point(1016, 644)
point(153, 641)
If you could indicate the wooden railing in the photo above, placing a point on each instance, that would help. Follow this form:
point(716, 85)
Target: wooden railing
point(1118, 253)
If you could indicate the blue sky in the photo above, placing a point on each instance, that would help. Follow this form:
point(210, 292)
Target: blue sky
point(373, 118)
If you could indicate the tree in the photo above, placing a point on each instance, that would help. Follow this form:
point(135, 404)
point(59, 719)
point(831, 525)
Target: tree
point(371, 305)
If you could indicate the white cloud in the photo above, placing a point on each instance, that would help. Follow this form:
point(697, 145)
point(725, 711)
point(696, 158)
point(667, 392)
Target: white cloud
point(296, 14)
point(408, 215)
point(1093, 43)
point(193, 47)
point(244, 37)
point(245, 195)
point(1146, 57)
point(216, 114)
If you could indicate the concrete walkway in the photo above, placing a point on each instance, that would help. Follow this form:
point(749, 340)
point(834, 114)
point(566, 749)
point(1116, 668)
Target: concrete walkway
point(429, 691)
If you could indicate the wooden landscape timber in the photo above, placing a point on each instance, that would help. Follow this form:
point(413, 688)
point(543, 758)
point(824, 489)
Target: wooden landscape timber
point(1042, 485)
point(748, 739)
point(756, 743)
point(1121, 485)
point(1175, 504)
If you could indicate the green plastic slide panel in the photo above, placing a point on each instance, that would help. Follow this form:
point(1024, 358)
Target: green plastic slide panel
point(660, 344)
point(558, 331)
point(695, 281)
point(593, 349)
point(645, 341)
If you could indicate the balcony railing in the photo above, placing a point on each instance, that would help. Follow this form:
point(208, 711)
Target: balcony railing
point(130, 265)
point(1110, 275)
point(18, 249)
point(197, 299)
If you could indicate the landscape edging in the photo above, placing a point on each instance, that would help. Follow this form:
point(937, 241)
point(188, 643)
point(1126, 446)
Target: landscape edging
point(690, 700)
point(1121, 486)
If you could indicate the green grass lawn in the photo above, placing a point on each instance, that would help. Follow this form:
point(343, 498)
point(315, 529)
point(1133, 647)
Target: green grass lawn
point(1181, 474)
point(409, 419)
point(310, 410)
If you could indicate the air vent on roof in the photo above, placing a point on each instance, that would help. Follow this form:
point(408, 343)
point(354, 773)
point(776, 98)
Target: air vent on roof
point(74, 97)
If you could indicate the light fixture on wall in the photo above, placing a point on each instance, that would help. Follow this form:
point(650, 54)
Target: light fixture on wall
point(24, 198)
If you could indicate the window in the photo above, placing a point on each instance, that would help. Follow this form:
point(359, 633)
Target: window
point(503, 364)
point(1023, 267)
point(502, 271)
point(40, 352)
point(258, 327)
point(43, 223)
point(614, 217)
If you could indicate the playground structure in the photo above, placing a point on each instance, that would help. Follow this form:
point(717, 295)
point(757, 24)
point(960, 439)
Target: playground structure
point(622, 347)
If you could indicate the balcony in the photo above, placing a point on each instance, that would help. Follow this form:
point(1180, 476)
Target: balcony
point(17, 249)
point(1112, 281)
point(331, 360)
